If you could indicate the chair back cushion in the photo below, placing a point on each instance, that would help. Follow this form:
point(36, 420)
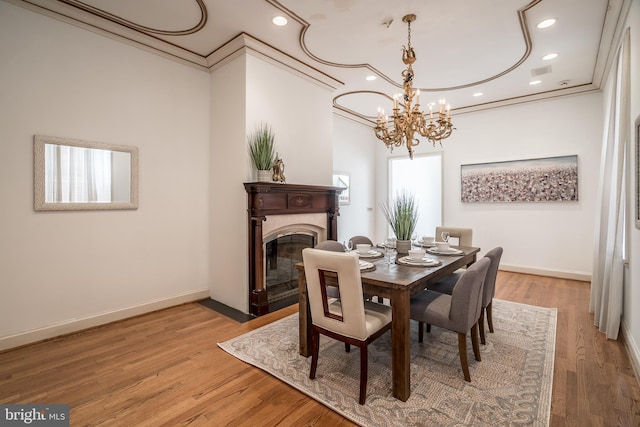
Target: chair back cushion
point(489, 291)
point(318, 265)
point(331, 245)
point(464, 235)
point(466, 298)
point(360, 240)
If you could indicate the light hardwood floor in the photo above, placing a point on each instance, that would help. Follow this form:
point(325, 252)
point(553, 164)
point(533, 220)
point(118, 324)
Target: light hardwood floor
point(165, 368)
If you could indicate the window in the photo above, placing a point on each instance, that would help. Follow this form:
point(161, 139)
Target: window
point(421, 176)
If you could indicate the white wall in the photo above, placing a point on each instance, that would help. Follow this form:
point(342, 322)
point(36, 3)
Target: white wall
point(60, 268)
point(354, 153)
point(566, 126)
point(300, 115)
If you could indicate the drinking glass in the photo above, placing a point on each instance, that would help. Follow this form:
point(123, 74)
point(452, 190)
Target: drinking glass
point(414, 236)
point(445, 236)
point(388, 249)
point(349, 245)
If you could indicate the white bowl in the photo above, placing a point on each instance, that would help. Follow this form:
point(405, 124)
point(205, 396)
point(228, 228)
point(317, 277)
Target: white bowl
point(442, 246)
point(417, 253)
point(363, 248)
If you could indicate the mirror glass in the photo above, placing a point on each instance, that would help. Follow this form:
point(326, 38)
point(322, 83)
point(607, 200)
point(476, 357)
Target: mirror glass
point(72, 174)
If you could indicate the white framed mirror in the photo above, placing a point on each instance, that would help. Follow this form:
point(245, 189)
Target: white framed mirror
point(71, 174)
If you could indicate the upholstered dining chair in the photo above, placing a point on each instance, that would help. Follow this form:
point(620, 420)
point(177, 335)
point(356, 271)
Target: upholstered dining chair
point(360, 240)
point(446, 285)
point(464, 235)
point(458, 312)
point(331, 245)
point(349, 319)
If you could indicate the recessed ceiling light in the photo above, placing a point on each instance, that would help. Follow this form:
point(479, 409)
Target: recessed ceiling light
point(280, 21)
point(535, 82)
point(549, 56)
point(371, 78)
point(478, 94)
point(546, 23)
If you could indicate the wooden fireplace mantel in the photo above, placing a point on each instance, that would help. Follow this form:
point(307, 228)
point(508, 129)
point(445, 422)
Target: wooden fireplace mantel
point(265, 198)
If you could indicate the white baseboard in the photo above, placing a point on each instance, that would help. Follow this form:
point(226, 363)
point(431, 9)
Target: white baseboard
point(632, 349)
point(76, 325)
point(560, 274)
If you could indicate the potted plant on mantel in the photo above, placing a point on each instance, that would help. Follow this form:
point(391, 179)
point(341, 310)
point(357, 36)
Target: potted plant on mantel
point(402, 216)
point(262, 150)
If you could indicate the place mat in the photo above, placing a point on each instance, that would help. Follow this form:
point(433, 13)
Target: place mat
point(424, 262)
point(366, 266)
point(450, 251)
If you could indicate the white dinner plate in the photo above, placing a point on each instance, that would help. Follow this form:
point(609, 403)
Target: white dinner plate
point(424, 262)
point(365, 265)
point(450, 251)
point(370, 254)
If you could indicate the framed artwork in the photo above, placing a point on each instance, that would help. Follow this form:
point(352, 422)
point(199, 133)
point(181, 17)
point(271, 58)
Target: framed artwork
point(550, 179)
point(637, 146)
point(342, 179)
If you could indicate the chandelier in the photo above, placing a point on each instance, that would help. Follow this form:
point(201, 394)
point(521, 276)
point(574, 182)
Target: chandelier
point(402, 126)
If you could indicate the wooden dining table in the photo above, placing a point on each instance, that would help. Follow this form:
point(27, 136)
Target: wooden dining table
point(397, 283)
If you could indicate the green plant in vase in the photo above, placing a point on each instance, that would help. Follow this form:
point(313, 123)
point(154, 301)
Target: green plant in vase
point(402, 215)
point(262, 150)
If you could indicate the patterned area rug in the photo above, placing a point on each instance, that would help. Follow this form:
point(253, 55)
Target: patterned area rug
point(511, 386)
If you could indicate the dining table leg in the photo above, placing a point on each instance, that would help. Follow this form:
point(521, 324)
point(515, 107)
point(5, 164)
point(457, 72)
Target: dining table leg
point(401, 344)
point(304, 313)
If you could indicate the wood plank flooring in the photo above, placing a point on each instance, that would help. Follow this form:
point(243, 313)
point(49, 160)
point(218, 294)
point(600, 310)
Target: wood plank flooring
point(165, 368)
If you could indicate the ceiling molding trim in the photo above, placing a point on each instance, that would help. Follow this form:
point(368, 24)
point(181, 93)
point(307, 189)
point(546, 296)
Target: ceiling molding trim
point(543, 96)
point(527, 52)
point(129, 24)
point(246, 43)
point(612, 31)
point(95, 24)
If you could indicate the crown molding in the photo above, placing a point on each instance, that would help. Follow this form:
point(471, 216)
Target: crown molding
point(246, 44)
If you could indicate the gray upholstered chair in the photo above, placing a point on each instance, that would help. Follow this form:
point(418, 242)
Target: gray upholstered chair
point(446, 285)
point(331, 245)
point(458, 312)
point(464, 235)
point(349, 319)
point(360, 240)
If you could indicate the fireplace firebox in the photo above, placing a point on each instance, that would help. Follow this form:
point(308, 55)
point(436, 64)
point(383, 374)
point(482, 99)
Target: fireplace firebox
point(289, 206)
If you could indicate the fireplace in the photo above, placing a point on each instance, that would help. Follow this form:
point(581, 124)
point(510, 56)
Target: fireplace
point(282, 220)
point(282, 252)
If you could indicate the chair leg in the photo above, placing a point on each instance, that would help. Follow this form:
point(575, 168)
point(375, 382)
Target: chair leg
point(364, 367)
point(474, 341)
point(462, 349)
point(315, 349)
point(481, 326)
point(428, 328)
point(347, 347)
point(420, 331)
point(490, 317)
